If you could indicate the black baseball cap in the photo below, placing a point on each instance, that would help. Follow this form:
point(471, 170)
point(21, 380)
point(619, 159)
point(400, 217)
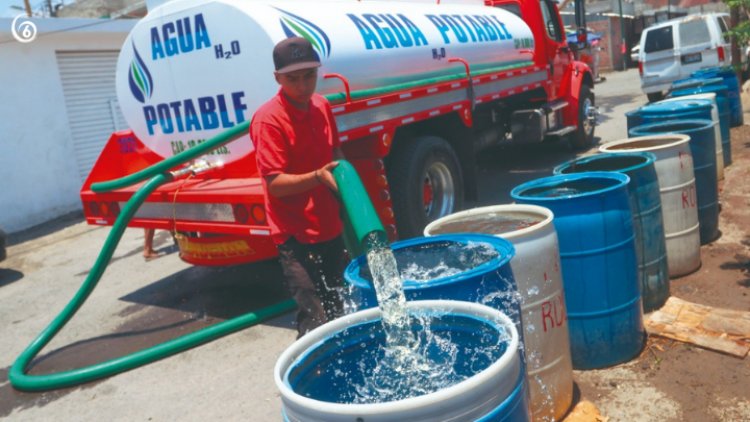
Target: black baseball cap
point(294, 53)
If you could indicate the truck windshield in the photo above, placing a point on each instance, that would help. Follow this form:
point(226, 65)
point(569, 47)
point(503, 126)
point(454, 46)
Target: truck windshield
point(694, 32)
point(659, 39)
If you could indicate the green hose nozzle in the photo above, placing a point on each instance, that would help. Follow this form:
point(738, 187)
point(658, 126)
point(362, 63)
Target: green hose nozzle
point(168, 163)
point(360, 217)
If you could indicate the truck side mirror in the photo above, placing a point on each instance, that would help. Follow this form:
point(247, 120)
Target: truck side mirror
point(582, 37)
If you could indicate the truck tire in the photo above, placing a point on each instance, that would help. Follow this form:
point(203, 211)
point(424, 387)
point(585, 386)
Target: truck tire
point(583, 137)
point(426, 183)
point(655, 96)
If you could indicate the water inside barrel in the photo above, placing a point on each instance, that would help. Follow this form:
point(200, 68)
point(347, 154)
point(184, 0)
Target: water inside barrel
point(435, 260)
point(489, 223)
point(570, 188)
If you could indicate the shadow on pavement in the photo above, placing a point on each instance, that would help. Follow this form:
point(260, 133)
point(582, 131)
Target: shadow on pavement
point(46, 228)
point(187, 301)
point(8, 276)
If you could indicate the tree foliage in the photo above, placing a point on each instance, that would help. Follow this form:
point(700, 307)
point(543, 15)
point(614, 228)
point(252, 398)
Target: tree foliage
point(741, 31)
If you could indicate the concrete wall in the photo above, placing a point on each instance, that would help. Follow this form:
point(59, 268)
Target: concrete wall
point(38, 173)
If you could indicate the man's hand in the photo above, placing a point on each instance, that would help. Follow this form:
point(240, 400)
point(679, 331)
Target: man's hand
point(325, 176)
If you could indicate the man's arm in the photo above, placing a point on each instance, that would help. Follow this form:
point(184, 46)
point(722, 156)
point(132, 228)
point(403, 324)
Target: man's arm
point(284, 184)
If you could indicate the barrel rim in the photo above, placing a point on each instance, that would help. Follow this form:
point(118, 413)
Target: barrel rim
point(515, 193)
point(700, 124)
point(317, 336)
point(650, 159)
point(706, 96)
point(504, 247)
point(542, 211)
point(675, 106)
point(717, 88)
point(679, 140)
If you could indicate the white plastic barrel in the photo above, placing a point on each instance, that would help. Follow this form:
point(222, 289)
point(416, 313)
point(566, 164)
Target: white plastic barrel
point(495, 393)
point(717, 128)
point(674, 167)
point(536, 268)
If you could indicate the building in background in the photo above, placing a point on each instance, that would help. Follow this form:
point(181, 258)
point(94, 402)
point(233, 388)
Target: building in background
point(606, 18)
point(59, 108)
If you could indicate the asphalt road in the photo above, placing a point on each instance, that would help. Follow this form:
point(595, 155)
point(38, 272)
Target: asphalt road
point(139, 304)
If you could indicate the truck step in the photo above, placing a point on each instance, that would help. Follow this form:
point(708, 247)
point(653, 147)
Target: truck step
point(561, 132)
point(556, 105)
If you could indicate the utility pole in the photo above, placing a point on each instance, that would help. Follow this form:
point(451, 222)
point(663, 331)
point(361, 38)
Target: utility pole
point(669, 9)
point(51, 10)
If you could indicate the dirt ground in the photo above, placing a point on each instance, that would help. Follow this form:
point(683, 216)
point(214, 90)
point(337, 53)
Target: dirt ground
point(674, 381)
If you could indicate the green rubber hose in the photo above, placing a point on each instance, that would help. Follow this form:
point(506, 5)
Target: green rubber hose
point(361, 221)
point(171, 162)
point(22, 381)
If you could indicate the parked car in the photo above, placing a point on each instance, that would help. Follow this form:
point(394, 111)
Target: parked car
point(676, 48)
point(2, 245)
point(634, 53)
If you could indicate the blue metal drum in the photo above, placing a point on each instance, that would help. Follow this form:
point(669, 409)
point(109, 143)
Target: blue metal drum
point(645, 202)
point(703, 150)
point(594, 223)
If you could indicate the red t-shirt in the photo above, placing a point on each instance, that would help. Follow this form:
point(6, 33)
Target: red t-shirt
point(293, 141)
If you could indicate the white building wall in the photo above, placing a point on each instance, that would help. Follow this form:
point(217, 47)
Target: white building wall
point(39, 177)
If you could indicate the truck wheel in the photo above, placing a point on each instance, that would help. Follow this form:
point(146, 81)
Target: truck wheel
point(654, 97)
point(426, 183)
point(583, 137)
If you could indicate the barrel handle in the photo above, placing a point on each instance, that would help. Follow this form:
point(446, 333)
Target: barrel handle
point(344, 80)
point(468, 77)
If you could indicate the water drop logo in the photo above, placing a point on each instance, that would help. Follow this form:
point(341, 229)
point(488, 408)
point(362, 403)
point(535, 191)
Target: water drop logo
point(139, 78)
point(295, 26)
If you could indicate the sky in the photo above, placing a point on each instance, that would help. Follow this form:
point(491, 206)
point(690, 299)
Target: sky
point(7, 12)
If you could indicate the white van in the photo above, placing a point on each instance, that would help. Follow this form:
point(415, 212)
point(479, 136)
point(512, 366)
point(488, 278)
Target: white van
point(676, 48)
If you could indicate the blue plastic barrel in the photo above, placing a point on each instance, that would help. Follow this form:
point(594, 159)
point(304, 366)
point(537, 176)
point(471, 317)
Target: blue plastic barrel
point(633, 118)
point(328, 375)
point(676, 110)
point(477, 267)
point(597, 252)
point(661, 111)
point(703, 150)
point(722, 102)
point(693, 82)
point(645, 202)
point(729, 78)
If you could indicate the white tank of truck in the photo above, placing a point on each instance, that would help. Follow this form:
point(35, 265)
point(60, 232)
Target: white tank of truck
point(193, 68)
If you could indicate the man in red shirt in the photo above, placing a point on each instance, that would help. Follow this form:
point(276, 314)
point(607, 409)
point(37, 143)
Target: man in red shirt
point(296, 141)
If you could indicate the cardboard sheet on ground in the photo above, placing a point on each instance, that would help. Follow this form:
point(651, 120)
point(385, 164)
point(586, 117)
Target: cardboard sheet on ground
point(585, 411)
point(717, 329)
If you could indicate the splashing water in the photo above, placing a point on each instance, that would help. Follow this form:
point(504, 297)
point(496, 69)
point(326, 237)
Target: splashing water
point(414, 359)
point(390, 294)
point(442, 259)
point(409, 371)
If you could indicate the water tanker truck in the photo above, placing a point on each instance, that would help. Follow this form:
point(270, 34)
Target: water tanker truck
point(417, 89)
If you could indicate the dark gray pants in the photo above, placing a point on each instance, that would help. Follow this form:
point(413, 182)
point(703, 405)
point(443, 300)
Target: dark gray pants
point(314, 276)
